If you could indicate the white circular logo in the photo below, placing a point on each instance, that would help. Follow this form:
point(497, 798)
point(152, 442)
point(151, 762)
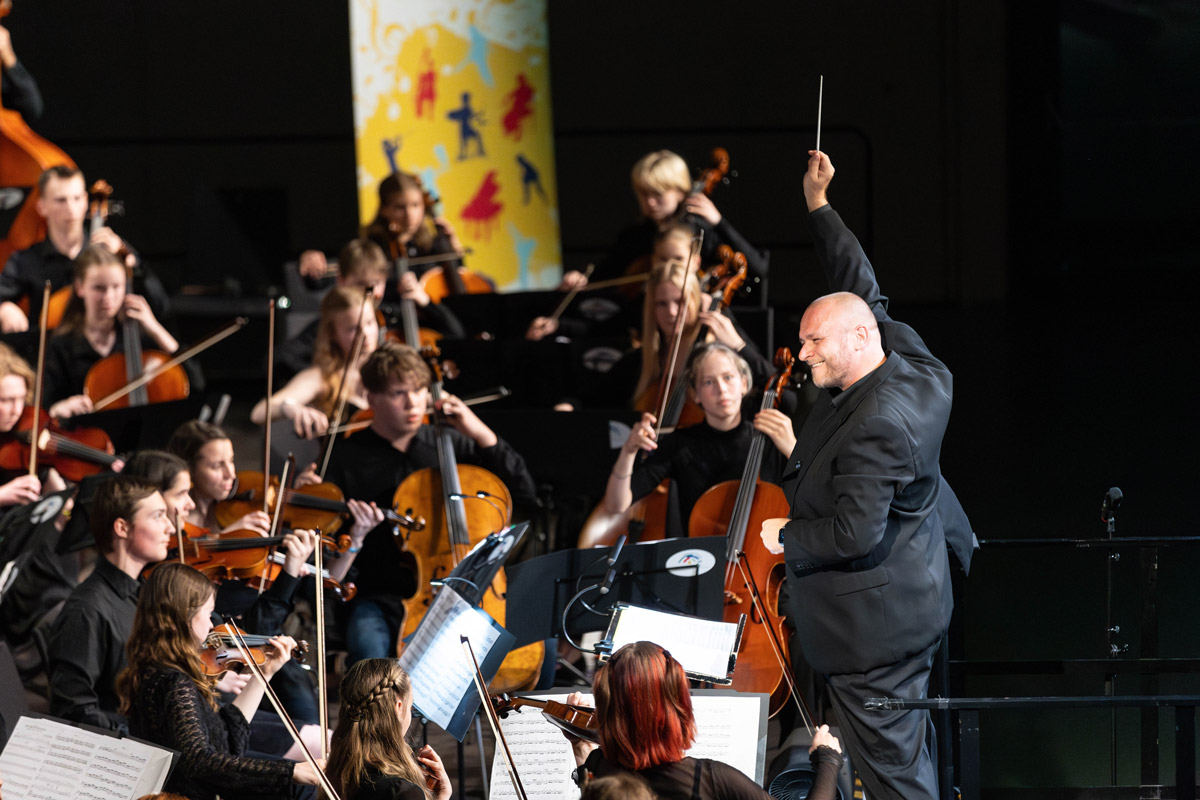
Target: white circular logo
point(690, 563)
point(47, 509)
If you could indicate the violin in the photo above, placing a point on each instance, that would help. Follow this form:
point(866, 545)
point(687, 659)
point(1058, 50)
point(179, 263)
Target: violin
point(111, 374)
point(75, 454)
point(320, 505)
point(24, 156)
point(736, 510)
point(220, 654)
point(579, 721)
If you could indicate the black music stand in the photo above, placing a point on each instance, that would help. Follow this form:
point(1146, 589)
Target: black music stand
point(475, 573)
point(685, 576)
point(139, 427)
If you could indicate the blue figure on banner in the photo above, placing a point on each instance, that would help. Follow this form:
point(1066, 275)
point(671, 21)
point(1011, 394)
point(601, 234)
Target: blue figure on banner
point(390, 148)
point(477, 54)
point(524, 249)
point(530, 178)
point(467, 118)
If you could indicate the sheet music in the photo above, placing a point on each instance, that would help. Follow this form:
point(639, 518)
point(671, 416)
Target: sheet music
point(702, 646)
point(728, 729)
point(49, 760)
point(541, 752)
point(440, 671)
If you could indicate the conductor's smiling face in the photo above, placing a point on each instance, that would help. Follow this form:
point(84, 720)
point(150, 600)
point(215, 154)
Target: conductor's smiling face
point(825, 346)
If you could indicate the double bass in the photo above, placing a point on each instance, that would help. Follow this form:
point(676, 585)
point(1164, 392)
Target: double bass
point(24, 156)
point(736, 510)
point(453, 528)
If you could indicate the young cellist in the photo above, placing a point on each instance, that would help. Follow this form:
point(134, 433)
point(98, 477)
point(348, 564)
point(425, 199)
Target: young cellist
point(702, 455)
point(372, 463)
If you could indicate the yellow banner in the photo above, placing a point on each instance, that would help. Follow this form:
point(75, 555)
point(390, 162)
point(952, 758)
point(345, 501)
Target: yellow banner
point(458, 92)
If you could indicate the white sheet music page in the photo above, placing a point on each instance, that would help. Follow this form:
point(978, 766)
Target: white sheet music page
point(702, 646)
point(727, 729)
point(49, 760)
point(440, 671)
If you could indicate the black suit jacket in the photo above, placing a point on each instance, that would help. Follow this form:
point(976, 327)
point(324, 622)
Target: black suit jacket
point(865, 545)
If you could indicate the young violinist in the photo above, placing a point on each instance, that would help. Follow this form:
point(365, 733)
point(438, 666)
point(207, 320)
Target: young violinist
point(208, 452)
point(91, 328)
point(17, 486)
point(170, 701)
point(63, 203)
point(370, 758)
point(310, 398)
point(372, 463)
point(363, 265)
point(662, 185)
point(131, 523)
point(404, 218)
point(646, 726)
point(260, 612)
point(700, 456)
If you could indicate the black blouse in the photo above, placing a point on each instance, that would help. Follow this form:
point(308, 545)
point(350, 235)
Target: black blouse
point(169, 710)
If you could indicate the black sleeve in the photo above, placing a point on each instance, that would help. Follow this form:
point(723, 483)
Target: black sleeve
point(440, 318)
point(62, 378)
point(78, 650)
point(12, 281)
point(657, 467)
point(828, 762)
point(20, 92)
point(503, 460)
point(732, 784)
point(200, 761)
point(271, 608)
point(725, 233)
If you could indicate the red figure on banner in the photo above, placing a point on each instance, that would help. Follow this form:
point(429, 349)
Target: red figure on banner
point(522, 100)
point(426, 84)
point(481, 212)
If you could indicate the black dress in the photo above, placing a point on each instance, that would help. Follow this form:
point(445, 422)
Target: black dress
point(169, 710)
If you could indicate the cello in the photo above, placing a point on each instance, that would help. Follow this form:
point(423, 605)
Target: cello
point(24, 156)
point(454, 528)
point(731, 509)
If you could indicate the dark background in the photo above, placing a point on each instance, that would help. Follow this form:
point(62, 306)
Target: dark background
point(1022, 174)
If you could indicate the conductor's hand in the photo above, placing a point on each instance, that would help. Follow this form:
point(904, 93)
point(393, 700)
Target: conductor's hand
point(778, 426)
point(770, 534)
point(641, 436)
point(823, 737)
point(817, 179)
point(278, 652)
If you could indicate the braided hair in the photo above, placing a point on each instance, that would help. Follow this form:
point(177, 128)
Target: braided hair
point(369, 731)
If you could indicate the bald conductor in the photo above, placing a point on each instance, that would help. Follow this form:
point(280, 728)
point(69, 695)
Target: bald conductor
point(865, 541)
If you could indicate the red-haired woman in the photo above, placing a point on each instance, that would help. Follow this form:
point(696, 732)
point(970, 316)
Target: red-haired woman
point(644, 716)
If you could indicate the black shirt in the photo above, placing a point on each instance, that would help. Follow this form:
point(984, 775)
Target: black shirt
point(687, 779)
point(169, 710)
point(697, 458)
point(377, 786)
point(367, 468)
point(20, 91)
point(27, 270)
point(87, 647)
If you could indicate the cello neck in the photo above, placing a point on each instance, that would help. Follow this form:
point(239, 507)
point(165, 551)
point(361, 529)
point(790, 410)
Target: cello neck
point(456, 514)
point(738, 520)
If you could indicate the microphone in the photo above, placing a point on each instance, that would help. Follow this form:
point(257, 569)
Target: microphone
point(484, 496)
point(610, 577)
point(1112, 501)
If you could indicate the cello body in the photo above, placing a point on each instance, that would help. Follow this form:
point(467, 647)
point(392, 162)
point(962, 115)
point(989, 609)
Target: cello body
point(757, 669)
point(24, 156)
